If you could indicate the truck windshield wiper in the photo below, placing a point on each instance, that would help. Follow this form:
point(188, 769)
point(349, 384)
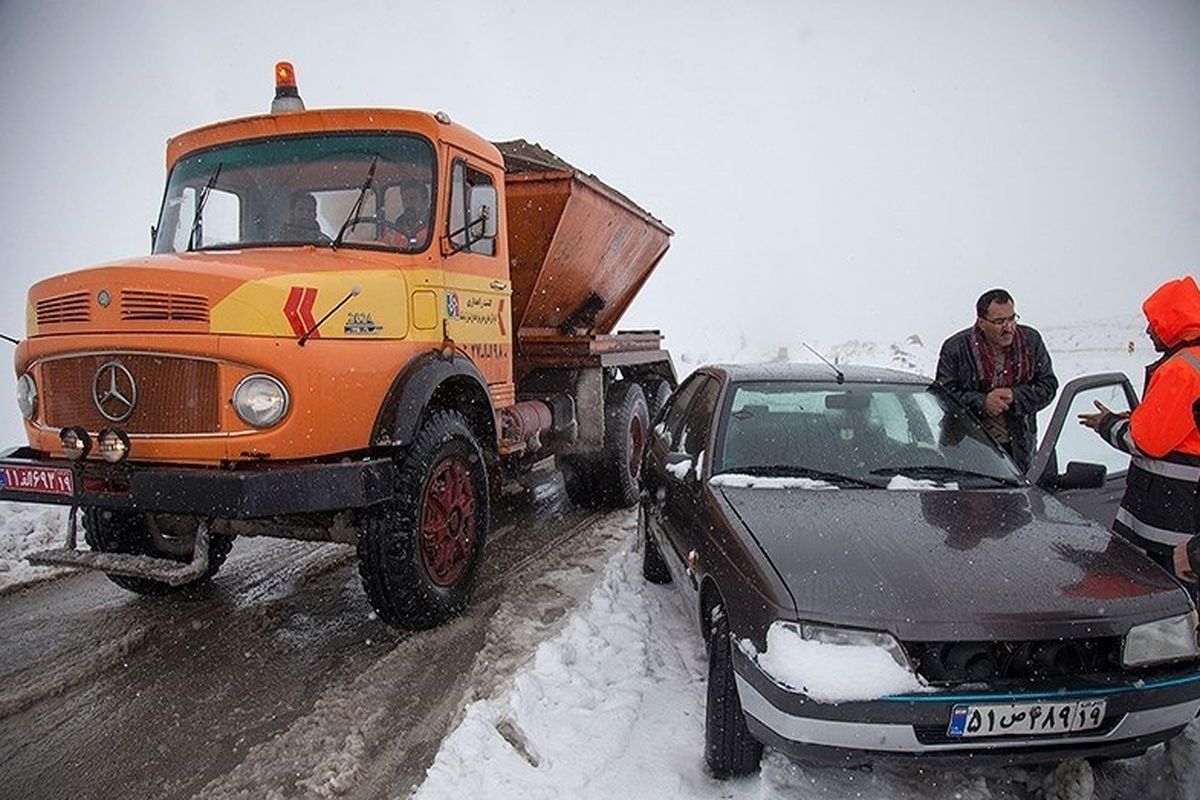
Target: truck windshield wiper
point(938, 471)
point(362, 195)
point(793, 471)
point(212, 181)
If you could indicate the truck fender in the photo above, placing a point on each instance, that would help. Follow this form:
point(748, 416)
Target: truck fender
point(416, 388)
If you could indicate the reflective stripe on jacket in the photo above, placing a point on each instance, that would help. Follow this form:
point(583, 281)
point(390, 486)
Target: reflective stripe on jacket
point(1162, 494)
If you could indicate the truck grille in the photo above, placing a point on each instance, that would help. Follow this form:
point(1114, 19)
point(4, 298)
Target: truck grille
point(73, 307)
point(175, 394)
point(163, 306)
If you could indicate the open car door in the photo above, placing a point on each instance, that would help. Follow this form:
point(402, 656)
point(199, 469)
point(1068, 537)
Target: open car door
point(1073, 463)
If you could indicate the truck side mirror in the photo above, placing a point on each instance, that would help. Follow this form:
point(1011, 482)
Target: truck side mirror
point(483, 212)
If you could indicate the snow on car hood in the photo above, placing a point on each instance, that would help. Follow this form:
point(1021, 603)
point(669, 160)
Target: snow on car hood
point(947, 565)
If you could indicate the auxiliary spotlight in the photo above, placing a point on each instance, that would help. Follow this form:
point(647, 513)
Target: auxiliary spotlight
point(114, 445)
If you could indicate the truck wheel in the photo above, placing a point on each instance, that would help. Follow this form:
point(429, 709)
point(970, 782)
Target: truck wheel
point(729, 749)
point(626, 424)
point(654, 569)
point(657, 392)
point(135, 533)
point(418, 552)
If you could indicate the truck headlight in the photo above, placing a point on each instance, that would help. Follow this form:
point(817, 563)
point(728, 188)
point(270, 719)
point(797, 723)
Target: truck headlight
point(27, 396)
point(260, 400)
point(1170, 639)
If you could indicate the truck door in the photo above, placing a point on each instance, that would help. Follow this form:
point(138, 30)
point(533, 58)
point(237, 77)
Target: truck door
point(478, 310)
point(1073, 462)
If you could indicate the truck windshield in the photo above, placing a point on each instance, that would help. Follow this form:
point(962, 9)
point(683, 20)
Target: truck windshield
point(301, 190)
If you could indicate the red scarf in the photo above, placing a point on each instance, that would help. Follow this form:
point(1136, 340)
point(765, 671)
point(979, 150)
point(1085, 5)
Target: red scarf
point(1018, 362)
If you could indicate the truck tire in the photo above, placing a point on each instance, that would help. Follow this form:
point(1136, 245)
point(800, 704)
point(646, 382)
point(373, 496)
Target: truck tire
point(418, 552)
point(124, 531)
point(657, 392)
point(729, 749)
point(626, 426)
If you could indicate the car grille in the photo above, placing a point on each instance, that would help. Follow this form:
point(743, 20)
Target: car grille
point(140, 305)
point(175, 394)
point(73, 307)
point(949, 663)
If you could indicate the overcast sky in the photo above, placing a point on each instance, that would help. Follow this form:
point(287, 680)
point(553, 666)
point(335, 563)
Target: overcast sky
point(832, 170)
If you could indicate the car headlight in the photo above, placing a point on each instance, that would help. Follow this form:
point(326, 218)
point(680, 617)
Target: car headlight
point(828, 634)
point(27, 396)
point(1170, 639)
point(831, 664)
point(260, 400)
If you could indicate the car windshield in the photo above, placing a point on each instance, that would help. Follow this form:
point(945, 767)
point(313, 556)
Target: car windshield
point(301, 190)
point(857, 434)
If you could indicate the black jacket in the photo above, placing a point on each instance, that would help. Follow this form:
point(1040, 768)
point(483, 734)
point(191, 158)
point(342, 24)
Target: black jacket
point(958, 372)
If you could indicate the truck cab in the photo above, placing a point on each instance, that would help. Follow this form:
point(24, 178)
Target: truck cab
point(352, 325)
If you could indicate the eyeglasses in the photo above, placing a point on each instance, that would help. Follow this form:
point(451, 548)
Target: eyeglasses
point(1003, 322)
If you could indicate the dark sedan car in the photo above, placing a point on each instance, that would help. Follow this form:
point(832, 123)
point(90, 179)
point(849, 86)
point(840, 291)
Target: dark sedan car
point(875, 579)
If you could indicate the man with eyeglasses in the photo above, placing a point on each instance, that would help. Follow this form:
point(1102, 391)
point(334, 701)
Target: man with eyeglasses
point(1002, 372)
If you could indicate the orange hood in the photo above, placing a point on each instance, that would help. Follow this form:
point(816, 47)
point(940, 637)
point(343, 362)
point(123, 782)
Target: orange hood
point(1173, 311)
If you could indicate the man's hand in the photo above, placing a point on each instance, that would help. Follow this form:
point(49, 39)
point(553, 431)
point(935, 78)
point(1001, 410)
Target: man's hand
point(998, 401)
point(1093, 420)
point(1183, 565)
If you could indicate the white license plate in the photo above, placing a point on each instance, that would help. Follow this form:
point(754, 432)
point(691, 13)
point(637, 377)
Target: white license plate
point(43, 480)
point(1025, 719)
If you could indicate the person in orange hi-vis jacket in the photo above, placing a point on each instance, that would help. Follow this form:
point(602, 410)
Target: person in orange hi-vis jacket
point(1160, 511)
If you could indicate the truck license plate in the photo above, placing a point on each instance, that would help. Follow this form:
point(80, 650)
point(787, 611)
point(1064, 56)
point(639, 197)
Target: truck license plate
point(44, 480)
point(1025, 719)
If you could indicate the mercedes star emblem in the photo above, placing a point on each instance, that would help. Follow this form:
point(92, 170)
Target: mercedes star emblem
point(114, 391)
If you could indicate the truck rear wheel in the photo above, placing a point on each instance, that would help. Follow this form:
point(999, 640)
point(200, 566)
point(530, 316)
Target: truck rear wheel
point(418, 552)
point(135, 533)
point(626, 425)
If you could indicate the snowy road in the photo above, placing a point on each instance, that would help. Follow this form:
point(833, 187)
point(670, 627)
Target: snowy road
point(279, 683)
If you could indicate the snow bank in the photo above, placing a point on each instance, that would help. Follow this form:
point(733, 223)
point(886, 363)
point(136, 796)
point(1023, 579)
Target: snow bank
point(24, 529)
point(832, 673)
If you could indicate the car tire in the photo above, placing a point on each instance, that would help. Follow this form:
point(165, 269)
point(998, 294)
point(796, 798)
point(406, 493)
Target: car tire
point(128, 532)
point(626, 428)
point(654, 568)
point(729, 749)
point(419, 551)
point(581, 482)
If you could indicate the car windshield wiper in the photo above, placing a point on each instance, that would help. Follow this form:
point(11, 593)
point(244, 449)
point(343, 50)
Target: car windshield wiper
point(362, 195)
point(942, 472)
point(212, 181)
point(793, 471)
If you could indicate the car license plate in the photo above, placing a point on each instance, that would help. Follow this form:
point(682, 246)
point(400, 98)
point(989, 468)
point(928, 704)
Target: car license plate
point(1025, 719)
point(43, 480)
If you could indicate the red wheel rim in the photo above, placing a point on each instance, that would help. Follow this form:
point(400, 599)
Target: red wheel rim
point(448, 522)
point(637, 445)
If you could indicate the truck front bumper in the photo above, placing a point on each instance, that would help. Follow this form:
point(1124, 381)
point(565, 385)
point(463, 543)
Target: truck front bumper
point(256, 490)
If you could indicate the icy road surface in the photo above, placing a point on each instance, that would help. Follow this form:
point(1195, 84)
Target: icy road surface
point(280, 682)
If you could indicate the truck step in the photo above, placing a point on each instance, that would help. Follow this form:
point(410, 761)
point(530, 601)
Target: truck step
point(172, 573)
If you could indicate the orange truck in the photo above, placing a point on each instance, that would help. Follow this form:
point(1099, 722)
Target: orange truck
point(353, 326)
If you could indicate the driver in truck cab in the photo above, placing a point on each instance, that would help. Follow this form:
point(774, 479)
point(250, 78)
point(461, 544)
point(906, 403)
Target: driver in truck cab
point(410, 229)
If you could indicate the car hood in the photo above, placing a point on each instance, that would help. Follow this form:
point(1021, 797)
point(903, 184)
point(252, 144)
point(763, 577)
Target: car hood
point(954, 565)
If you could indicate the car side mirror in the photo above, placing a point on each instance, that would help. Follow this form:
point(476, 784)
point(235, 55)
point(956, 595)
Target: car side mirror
point(1082, 475)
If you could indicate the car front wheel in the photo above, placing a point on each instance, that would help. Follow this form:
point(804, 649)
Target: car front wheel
point(729, 749)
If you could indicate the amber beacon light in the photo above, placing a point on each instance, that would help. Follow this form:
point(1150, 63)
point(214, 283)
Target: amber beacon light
point(287, 96)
